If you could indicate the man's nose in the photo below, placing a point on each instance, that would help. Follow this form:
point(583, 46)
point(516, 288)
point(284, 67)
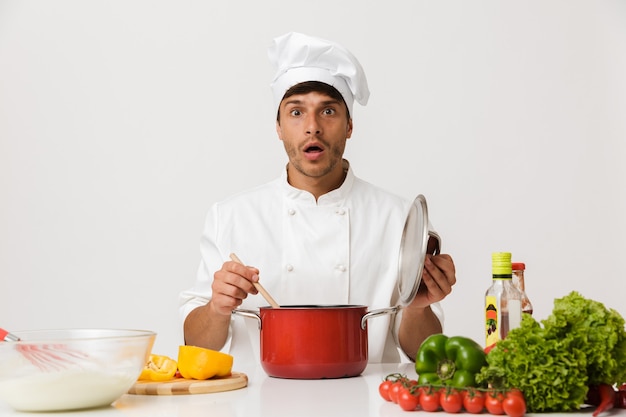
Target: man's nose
point(313, 126)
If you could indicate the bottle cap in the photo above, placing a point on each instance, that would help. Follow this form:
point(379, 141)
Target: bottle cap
point(501, 264)
point(518, 266)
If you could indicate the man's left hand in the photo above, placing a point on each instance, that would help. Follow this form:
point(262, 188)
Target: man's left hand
point(438, 277)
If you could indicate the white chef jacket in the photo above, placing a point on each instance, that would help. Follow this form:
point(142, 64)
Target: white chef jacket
point(341, 249)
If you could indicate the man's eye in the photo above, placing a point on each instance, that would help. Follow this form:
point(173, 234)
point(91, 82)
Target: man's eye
point(329, 111)
point(295, 112)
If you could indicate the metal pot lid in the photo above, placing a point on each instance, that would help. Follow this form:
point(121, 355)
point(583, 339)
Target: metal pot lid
point(413, 249)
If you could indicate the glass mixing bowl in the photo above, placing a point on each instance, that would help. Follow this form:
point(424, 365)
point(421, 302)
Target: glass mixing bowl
point(69, 369)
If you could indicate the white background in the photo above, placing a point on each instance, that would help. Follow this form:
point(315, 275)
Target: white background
point(122, 121)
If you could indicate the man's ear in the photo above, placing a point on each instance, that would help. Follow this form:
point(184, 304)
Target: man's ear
point(279, 131)
point(349, 129)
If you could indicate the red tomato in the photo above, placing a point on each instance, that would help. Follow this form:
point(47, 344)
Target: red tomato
point(411, 383)
point(474, 402)
point(383, 389)
point(394, 390)
point(451, 401)
point(493, 403)
point(515, 391)
point(620, 398)
point(407, 400)
point(514, 405)
point(429, 400)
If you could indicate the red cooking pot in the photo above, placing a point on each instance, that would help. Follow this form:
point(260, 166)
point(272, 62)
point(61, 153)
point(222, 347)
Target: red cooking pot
point(314, 341)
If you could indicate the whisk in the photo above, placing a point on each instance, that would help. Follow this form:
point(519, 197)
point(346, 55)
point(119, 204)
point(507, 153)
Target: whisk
point(49, 357)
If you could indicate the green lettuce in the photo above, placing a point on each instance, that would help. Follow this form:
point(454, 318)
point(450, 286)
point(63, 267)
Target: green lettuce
point(594, 329)
point(553, 363)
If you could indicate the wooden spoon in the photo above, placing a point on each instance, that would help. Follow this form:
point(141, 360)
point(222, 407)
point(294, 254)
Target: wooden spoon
point(258, 286)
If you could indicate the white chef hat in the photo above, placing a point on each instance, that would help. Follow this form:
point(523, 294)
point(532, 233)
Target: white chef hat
point(299, 58)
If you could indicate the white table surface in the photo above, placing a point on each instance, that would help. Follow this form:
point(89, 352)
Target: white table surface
point(272, 397)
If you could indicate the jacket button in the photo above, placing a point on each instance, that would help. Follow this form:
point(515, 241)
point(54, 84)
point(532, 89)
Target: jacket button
point(291, 212)
point(341, 268)
point(289, 267)
point(341, 211)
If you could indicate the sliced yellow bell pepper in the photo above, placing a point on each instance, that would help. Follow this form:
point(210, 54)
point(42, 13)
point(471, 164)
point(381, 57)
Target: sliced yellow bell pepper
point(199, 363)
point(159, 368)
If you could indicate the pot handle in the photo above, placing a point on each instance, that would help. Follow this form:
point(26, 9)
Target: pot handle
point(248, 313)
point(376, 313)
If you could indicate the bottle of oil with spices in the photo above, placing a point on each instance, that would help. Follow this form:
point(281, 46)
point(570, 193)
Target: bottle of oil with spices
point(518, 280)
point(503, 301)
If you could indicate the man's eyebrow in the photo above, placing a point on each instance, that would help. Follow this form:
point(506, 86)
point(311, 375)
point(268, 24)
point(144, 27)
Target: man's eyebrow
point(323, 103)
point(293, 101)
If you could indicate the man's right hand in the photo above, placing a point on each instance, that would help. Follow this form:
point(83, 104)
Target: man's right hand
point(231, 285)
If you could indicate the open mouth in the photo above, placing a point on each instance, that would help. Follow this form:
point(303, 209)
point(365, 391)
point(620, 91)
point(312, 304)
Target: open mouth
point(313, 149)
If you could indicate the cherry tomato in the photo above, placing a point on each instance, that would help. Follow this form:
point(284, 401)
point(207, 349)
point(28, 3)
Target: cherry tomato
point(407, 400)
point(514, 405)
point(493, 403)
point(474, 402)
point(394, 390)
point(515, 391)
point(451, 401)
point(383, 389)
point(411, 383)
point(429, 400)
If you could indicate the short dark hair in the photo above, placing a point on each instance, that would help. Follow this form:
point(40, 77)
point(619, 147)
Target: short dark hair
point(314, 86)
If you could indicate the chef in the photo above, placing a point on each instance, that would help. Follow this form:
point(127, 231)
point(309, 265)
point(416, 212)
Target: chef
point(317, 234)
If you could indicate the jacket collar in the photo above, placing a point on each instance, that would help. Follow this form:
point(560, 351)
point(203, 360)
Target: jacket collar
point(334, 197)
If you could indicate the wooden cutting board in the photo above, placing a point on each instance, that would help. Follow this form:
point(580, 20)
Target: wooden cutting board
point(182, 386)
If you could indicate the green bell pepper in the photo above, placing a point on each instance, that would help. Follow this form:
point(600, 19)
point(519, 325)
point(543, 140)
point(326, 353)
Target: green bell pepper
point(452, 361)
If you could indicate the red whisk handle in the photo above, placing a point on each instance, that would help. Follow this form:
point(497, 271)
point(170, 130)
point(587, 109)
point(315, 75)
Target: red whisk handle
point(8, 337)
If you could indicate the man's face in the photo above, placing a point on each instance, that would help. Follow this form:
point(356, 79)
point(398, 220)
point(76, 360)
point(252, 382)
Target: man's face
point(314, 128)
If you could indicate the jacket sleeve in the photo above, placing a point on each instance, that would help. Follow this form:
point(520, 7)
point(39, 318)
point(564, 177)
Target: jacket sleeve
point(211, 260)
